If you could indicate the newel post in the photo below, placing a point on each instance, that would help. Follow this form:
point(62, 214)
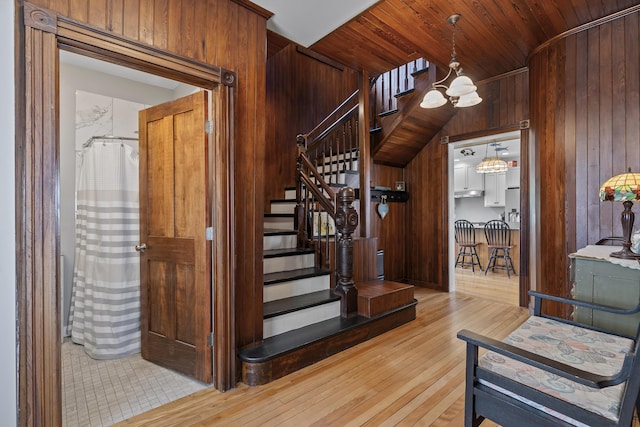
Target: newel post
point(346, 221)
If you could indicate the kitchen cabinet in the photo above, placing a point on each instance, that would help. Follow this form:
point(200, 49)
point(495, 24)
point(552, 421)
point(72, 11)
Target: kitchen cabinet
point(466, 178)
point(494, 189)
point(513, 177)
point(598, 278)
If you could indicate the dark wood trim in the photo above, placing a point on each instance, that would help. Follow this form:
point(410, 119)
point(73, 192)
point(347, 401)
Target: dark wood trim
point(485, 132)
point(503, 75)
point(80, 38)
point(584, 27)
point(525, 220)
point(37, 234)
point(37, 169)
point(365, 152)
point(224, 351)
point(254, 8)
point(313, 55)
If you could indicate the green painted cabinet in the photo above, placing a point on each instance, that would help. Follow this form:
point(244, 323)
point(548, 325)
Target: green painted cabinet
point(600, 279)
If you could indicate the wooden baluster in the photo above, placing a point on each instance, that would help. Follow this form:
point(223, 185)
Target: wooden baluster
point(406, 77)
point(390, 98)
point(346, 221)
point(299, 222)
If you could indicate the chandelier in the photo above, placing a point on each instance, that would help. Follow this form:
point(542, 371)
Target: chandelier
point(461, 91)
point(492, 164)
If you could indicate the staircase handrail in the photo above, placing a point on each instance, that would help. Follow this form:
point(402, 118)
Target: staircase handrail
point(323, 126)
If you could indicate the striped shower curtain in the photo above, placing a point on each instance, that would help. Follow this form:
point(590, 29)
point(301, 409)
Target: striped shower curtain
point(105, 304)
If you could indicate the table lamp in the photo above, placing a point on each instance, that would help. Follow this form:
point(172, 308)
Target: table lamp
point(623, 188)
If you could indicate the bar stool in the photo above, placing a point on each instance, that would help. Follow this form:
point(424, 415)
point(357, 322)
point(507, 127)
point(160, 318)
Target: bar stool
point(465, 235)
point(498, 235)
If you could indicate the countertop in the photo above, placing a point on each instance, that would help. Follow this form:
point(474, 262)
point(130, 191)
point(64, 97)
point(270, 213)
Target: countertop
point(480, 225)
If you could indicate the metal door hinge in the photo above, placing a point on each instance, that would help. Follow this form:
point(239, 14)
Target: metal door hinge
point(210, 340)
point(208, 127)
point(209, 233)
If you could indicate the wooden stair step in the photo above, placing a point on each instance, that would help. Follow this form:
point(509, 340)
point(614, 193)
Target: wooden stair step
point(300, 302)
point(282, 354)
point(275, 253)
point(404, 92)
point(378, 296)
point(283, 232)
point(285, 276)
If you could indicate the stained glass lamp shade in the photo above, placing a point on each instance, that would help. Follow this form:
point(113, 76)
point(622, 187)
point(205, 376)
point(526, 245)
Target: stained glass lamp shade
point(623, 188)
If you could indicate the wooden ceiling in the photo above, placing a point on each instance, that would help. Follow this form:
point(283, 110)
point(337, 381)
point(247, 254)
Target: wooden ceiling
point(492, 37)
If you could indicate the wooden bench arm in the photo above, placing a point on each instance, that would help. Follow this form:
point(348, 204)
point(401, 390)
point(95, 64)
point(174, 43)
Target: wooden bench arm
point(577, 375)
point(607, 308)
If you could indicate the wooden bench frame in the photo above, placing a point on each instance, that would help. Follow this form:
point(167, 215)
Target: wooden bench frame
point(483, 402)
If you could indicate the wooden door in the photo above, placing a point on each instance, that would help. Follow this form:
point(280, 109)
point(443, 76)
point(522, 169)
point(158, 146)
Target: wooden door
point(175, 279)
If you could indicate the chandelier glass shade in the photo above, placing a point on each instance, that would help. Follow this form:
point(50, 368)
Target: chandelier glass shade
point(461, 91)
point(492, 164)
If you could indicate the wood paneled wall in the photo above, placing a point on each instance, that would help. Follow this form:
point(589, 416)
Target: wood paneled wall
point(505, 104)
point(301, 91)
point(391, 232)
point(585, 117)
point(223, 33)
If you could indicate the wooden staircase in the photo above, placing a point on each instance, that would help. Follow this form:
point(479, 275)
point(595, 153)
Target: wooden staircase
point(398, 123)
point(302, 322)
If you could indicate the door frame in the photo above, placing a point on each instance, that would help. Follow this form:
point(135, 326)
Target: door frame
point(40, 34)
point(524, 276)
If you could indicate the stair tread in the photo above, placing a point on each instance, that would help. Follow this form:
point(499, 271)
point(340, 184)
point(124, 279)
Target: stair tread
point(278, 215)
point(282, 200)
point(277, 345)
point(282, 232)
point(301, 273)
point(300, 302)
point(273, 253)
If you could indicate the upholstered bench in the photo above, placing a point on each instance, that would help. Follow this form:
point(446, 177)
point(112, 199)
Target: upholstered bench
point(552, 372)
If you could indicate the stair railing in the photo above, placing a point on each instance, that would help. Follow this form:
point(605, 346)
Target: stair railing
point(321, 215)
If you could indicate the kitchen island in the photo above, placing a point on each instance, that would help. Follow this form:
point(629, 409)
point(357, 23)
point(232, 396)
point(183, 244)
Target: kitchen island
point(483, 250)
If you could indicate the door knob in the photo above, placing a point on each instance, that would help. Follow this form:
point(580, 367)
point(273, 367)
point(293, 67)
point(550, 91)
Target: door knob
point(141, 247)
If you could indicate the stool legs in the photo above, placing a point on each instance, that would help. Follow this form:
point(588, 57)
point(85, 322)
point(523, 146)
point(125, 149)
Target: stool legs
point(471, 252)
point(505, 255)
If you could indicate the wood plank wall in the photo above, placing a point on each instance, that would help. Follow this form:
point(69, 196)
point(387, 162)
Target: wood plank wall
point(506, 103)
point(223, 33)
point(391, 231)
point(301, 91)
point(585, 116)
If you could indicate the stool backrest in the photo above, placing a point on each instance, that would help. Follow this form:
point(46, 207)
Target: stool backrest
point(465, 232)
point(497, 233)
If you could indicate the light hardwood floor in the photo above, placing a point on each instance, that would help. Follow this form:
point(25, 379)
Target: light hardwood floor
point(494, 286)
point(413, 375)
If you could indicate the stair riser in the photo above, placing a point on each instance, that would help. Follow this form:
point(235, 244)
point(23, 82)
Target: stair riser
point(282, 207)
point(298, 319)
point(295, 287)
point(287, 263)
point(278, 223)
point(339, 166)
point(291, 194)
point(279, 242)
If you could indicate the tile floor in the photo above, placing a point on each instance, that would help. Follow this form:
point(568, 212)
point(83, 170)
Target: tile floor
point(102, 392)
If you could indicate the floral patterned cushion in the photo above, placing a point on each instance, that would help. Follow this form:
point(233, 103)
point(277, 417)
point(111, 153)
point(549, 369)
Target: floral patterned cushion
point(584, 349)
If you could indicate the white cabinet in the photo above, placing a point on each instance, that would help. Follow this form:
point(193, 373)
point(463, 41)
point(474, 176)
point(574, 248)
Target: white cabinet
point(494, 189)
point(513, 177)
point(466, 178)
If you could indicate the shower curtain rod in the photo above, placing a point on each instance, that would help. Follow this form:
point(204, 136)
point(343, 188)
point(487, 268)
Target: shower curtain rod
point(119, 138)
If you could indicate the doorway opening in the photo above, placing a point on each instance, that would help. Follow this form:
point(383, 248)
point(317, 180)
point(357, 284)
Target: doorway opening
point(99, 105)
point(480, 198)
